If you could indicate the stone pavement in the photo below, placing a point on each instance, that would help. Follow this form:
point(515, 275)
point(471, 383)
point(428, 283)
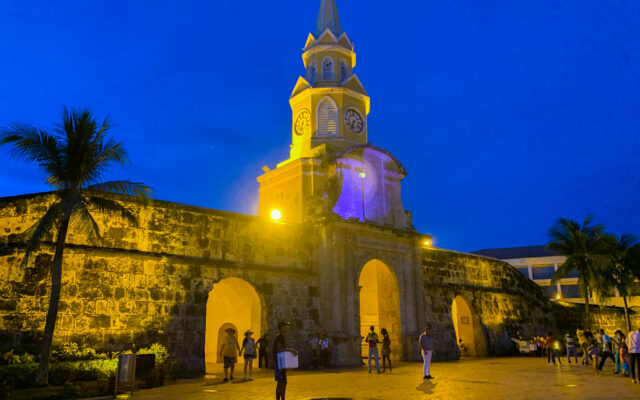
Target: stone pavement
point(486, 378)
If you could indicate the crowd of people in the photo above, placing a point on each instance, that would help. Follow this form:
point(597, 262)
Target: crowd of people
point(320, 351)
point(623, 350)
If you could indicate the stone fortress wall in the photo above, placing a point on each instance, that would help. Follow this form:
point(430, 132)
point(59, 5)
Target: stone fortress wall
point(152, 282)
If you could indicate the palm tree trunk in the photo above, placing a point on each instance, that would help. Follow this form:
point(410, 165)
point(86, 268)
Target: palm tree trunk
point(586, 310)
point(52, 314)
point(626, 313)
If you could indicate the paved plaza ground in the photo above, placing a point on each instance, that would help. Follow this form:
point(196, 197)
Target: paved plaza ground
point(487, 378)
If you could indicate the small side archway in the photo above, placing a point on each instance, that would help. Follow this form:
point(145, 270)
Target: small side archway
point(232, 303)
point(467, 327)
point(380, 305)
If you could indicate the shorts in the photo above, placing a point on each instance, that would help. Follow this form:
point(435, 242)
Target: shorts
point(281, 375)
point(229, 362)
point(249, 356)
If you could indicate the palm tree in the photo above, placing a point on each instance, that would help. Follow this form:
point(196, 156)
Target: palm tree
point(587, 249)
point(74, 158)
point(623, 269)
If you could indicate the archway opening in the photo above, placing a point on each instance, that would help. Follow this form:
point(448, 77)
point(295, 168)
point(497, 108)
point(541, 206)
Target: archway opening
point(380, 305)
point(463, 323)
point(232, 303)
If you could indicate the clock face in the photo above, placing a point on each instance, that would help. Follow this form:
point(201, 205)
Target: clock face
point(303, 123)
point(354, 121)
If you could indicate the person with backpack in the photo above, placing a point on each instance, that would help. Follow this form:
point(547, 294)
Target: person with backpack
point(373, 340)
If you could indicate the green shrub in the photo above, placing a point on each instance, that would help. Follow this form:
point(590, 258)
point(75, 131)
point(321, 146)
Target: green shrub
point(161, 352)
point(11, 358)
point(72, 352)
point(19, 376)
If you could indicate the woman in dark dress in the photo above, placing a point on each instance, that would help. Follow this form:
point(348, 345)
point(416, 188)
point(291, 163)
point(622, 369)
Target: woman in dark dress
point(386, 349)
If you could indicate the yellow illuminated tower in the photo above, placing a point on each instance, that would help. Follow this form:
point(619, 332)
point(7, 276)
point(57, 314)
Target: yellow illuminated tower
point(332, 169)
point(329, 104)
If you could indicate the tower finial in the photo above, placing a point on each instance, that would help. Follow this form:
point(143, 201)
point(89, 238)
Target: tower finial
point(328, 18)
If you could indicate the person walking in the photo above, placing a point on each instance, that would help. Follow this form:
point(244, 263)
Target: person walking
point(607, 350)
point(633, 344)
point(263, 351)
point(584, 345)
point(373, 340)
point(280, 345)
point(229, 354)
point(594, 351)
point(551, 351)
point(571, 347)
point(426, 348)
point(386, 350)
point(324, 354)
point(618, 340)
point(624, 359)
point(249, 349)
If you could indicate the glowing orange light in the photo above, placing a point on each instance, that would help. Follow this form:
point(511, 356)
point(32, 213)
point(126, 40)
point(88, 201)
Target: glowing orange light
point(276, 215)
point(558, 296)
point(427, 243)
point(361, 174)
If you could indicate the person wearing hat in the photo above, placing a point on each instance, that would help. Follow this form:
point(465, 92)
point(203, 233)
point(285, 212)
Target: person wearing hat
point(228, 351)
point(279, 345)
point(249, 349)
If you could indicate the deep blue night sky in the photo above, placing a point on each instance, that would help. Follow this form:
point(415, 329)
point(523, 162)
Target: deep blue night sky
point(506, 114)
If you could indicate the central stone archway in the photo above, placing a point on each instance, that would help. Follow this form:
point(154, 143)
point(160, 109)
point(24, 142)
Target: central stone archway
point(380, 305)
point(232, 303)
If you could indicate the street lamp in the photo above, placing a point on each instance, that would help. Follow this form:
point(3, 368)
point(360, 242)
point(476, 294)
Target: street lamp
point(275, 215)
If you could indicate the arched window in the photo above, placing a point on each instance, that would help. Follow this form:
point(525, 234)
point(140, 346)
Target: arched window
point(327, 117)
point(312, 71)
point(344, 72)
point(327, 68)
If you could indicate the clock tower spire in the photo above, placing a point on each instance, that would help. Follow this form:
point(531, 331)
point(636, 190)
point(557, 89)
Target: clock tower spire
point(329, 103)
point(328, 18)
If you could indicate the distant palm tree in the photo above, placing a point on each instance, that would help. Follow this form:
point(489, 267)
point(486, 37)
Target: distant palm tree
point(624, 269)
point(587, 249)
point(74, 157)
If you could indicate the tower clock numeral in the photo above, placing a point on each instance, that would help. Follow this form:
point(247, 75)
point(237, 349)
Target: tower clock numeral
point(303, 123)
point(354, 121)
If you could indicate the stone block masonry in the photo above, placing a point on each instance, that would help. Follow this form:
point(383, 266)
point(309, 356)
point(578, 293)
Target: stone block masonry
point(153, 282)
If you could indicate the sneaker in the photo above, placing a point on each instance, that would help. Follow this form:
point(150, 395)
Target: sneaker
point(426, 377)
point(250, 378)
point(429, 377)
point(225, 380)
point(245, 378)
point(231, 378)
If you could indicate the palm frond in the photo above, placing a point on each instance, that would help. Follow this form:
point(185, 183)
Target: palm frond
point(82, 222)
point(109, 206)
point(33, 145)
point(122, 187)
point(38, 232)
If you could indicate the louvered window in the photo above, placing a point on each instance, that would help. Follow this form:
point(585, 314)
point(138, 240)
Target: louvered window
point(327, 117)
point(344, 72)
point(327, 69)
point(312, 71)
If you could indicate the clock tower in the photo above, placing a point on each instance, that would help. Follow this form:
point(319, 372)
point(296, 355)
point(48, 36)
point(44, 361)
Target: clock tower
point(329, 103)
point(331, 167)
